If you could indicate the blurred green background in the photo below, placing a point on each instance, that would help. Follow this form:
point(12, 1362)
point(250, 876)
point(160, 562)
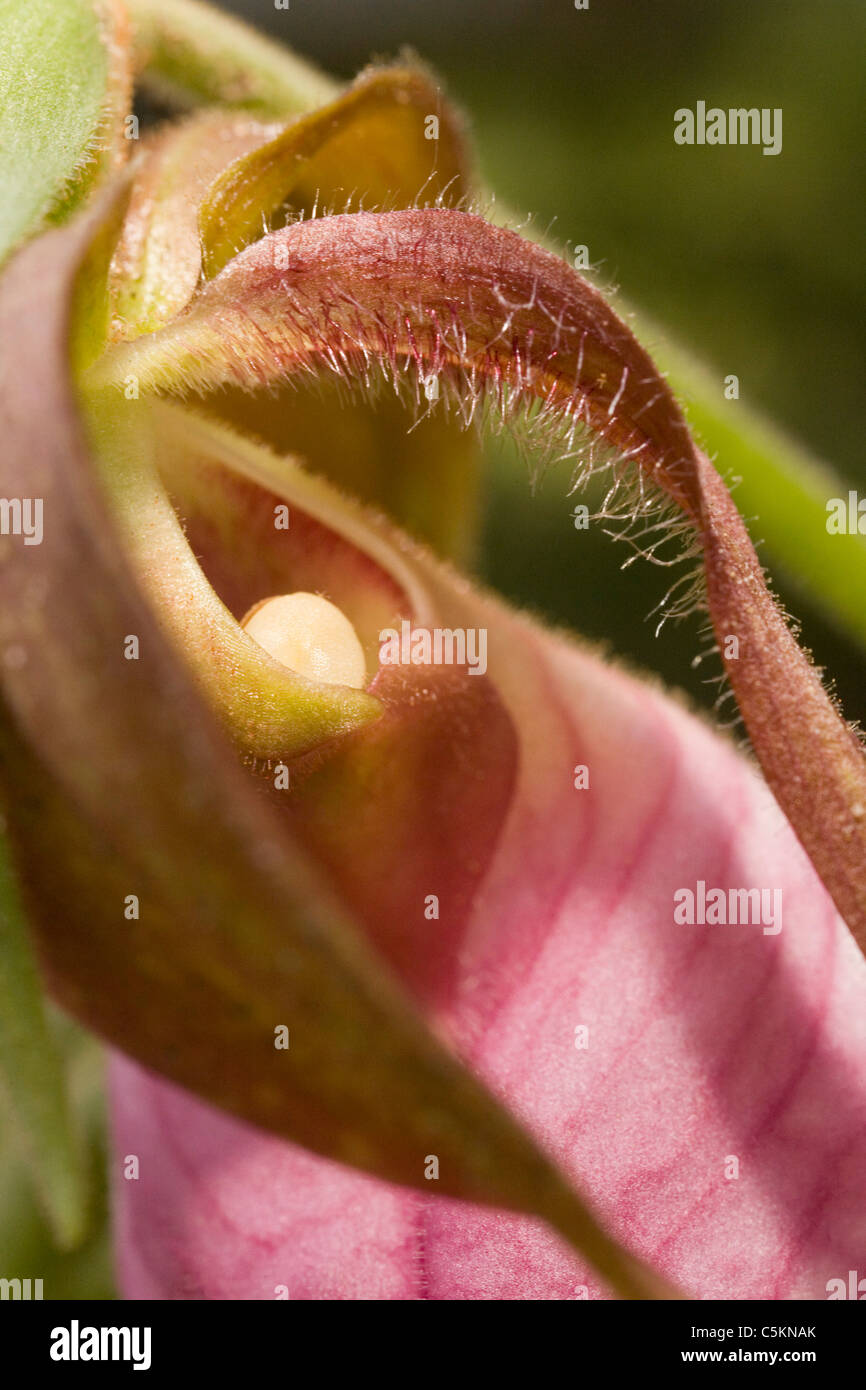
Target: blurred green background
point(752, 263)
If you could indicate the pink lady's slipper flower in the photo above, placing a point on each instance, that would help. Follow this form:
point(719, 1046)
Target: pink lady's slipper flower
point(443, 958)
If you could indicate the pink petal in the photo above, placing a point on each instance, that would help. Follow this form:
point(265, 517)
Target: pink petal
point(705, 1042)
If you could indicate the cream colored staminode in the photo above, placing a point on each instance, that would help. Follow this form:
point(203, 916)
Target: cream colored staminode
point(310, 635)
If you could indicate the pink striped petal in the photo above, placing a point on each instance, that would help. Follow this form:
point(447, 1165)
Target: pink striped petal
point(710, 1049)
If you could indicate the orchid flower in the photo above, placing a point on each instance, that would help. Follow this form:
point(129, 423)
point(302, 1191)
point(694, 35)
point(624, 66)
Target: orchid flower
point(497, 975)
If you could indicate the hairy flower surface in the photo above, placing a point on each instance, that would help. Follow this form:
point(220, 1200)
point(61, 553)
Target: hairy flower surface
point(378, 888)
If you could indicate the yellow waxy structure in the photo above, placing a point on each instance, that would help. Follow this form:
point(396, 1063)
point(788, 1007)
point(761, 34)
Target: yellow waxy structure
point(311, 635)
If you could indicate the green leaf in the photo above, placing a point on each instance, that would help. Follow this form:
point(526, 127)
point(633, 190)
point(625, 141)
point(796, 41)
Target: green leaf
point(26, 1239)
point(32, 1071)
point(782, 487)
point(63, 86)
point(191, 55)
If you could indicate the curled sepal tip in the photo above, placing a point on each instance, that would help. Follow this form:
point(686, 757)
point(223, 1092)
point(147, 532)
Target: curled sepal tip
point(441, 294)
